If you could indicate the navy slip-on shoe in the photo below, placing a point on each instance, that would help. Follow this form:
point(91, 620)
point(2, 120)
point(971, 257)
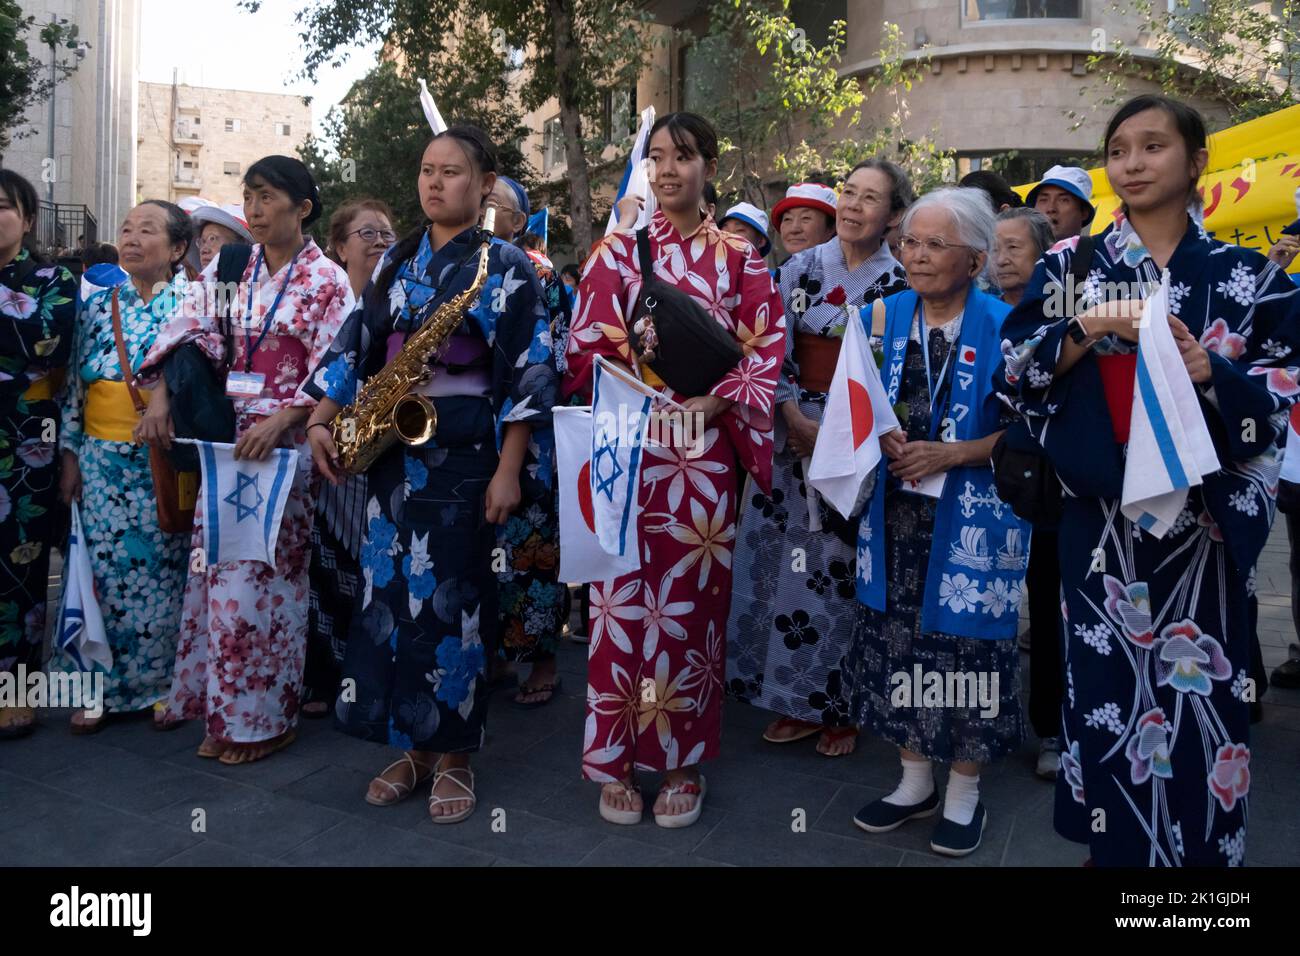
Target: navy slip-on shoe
point(953, 839)
point(881, 817)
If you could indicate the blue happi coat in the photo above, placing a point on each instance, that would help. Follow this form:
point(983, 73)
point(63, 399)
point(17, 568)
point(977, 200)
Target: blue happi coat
point(976, 572)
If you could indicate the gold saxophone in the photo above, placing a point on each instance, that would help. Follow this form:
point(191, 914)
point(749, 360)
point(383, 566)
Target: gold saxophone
point(387, 409)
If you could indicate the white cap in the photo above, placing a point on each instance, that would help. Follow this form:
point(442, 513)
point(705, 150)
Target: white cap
point(1073, 180)
point(753, 217)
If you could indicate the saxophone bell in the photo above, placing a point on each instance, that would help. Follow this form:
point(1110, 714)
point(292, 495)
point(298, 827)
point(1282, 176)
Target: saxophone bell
point(415, 420)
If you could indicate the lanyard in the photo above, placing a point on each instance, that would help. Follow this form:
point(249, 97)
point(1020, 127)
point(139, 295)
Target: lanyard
point(923, 334)
point(275, 305)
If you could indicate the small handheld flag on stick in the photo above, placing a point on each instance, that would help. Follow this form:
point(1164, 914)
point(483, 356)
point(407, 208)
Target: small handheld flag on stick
point(431, 110)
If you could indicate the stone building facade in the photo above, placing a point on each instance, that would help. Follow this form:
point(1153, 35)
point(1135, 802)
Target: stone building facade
point(199, 141)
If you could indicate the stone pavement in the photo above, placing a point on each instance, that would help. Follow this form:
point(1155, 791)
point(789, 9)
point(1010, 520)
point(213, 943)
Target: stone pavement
point(128, 795)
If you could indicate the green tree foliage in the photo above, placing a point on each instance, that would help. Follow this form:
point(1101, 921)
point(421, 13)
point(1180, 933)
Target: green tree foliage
point(24, 79)
point(1245, 56)
point(784, 113)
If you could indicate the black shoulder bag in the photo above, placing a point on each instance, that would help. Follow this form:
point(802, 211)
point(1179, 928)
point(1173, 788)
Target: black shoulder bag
point(675, 337)
point(1022, 470)
point(200, 408)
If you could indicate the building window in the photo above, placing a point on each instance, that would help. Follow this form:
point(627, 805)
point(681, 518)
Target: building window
point(552, 145)
point(984, 11)
point(282, 129)
point(618, 115)
point(230, 169)
point(232, 126)
point(186, 164)
point(197, 121)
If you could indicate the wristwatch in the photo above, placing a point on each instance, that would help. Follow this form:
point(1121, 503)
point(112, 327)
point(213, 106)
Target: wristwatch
point(1077, 332)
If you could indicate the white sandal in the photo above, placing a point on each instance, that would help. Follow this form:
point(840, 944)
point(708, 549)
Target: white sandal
point(673, 821)
point(436, 801)
point(401, 789)
point(626, 818)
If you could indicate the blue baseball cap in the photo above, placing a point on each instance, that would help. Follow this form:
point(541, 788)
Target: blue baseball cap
point(753, 217)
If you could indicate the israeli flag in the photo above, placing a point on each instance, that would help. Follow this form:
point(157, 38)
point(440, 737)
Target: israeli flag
point(1169, 445)
point(636, 177)
point(81, 633)
point(620, 412)
point(243, 502)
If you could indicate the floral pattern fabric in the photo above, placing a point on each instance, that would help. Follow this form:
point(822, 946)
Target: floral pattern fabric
point(429, 605)
point(656, 659)
point(139, 571)
point(1158, 635)
point(239, 660)
point(788, 628)
point(37, 313)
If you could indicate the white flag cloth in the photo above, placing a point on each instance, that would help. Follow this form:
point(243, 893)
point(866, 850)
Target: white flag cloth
point(582, 559)
point(1169, 445)
point(81, 625)
point(636, 176)
point(620, 410)
point(857, 413)
point(431, 110)
point(1291, 454)
point(243, 502)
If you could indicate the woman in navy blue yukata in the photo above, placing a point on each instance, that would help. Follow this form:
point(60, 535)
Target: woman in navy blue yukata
point(940, 559)
point(1155, 755)
point(428, 614)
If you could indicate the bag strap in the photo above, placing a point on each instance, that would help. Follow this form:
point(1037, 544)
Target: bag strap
point(124, 359)
point(1081, 264)
point(643, 254)
point(232, 260)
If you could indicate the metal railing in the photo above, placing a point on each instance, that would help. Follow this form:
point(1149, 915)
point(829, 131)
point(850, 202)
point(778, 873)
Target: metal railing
point(65, 226)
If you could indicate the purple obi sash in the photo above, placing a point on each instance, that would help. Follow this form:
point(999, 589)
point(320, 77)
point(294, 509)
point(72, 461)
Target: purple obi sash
point(463, 368)
point(281, 358)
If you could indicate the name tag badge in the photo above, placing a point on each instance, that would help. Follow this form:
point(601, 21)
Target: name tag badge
point(931, 486)
point(245, 384)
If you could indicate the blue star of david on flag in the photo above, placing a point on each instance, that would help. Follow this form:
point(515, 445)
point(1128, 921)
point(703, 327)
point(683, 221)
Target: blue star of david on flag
point(605, 467)
point(243, 482)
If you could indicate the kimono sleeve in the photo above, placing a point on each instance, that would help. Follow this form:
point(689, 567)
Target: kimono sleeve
point(787, 383)
point(72, 426)
point(1032, 338)
point(1255, 372)
point(338, 307)
point(605, 292)
point(525, 380)
point(195, 321)
point(761, 331)
point(36, 327)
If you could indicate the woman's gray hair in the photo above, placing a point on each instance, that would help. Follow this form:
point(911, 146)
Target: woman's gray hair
point(971, 214)
point(1040, 227)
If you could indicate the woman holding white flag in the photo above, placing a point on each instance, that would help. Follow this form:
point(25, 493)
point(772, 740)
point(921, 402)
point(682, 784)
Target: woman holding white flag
point(1157, 656)
point(788, 631)
point(243, 639)
point(656, 668)
point(139, 570)
point(933, 661)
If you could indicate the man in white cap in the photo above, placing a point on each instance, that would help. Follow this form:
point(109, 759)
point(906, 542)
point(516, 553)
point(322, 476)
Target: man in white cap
point(1065, 197)
point(749, 222)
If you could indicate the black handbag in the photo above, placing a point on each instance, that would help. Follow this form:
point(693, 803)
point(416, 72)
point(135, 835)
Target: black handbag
point(675, 337)
point(200, 408)
point(1022, 471)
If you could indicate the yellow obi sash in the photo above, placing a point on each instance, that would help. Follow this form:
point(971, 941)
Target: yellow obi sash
point(650, 378)
point(44, 389)
point(110, 414)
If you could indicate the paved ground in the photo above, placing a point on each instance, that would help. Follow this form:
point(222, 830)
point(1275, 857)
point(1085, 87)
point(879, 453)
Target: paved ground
point(131, 796)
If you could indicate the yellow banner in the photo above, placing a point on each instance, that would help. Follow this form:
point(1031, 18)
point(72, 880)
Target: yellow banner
point(1249, 186)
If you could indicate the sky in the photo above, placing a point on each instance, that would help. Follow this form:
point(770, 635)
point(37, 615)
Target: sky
point(216, 43)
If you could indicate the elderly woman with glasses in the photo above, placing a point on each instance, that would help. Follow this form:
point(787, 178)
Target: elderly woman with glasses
point(941, 560)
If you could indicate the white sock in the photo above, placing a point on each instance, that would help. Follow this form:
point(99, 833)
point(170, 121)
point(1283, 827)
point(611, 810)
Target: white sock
point(960, 798)
point(917, 784)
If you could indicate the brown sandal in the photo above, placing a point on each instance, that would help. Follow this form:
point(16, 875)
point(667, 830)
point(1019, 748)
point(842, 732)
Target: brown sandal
point(235, 754)
point(804, 730)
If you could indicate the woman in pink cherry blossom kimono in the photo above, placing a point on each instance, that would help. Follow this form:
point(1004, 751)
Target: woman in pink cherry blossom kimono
point(239, 661)
point(654, 694)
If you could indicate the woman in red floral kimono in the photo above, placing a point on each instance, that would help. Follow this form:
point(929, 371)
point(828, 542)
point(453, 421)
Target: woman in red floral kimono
point(654, 691)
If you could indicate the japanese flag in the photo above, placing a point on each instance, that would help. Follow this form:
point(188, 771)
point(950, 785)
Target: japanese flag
point(857, 414)
point(582, 559)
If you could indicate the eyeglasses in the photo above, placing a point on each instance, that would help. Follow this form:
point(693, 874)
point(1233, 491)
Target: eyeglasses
point(933, 245)
point(370, 235)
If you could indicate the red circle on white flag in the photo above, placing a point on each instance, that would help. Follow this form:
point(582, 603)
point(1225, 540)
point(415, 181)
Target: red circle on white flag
point(584, 496)
point(860, 412)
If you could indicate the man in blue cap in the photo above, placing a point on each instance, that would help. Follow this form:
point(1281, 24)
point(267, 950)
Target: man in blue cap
point(1065, 197)
point(747, 220)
